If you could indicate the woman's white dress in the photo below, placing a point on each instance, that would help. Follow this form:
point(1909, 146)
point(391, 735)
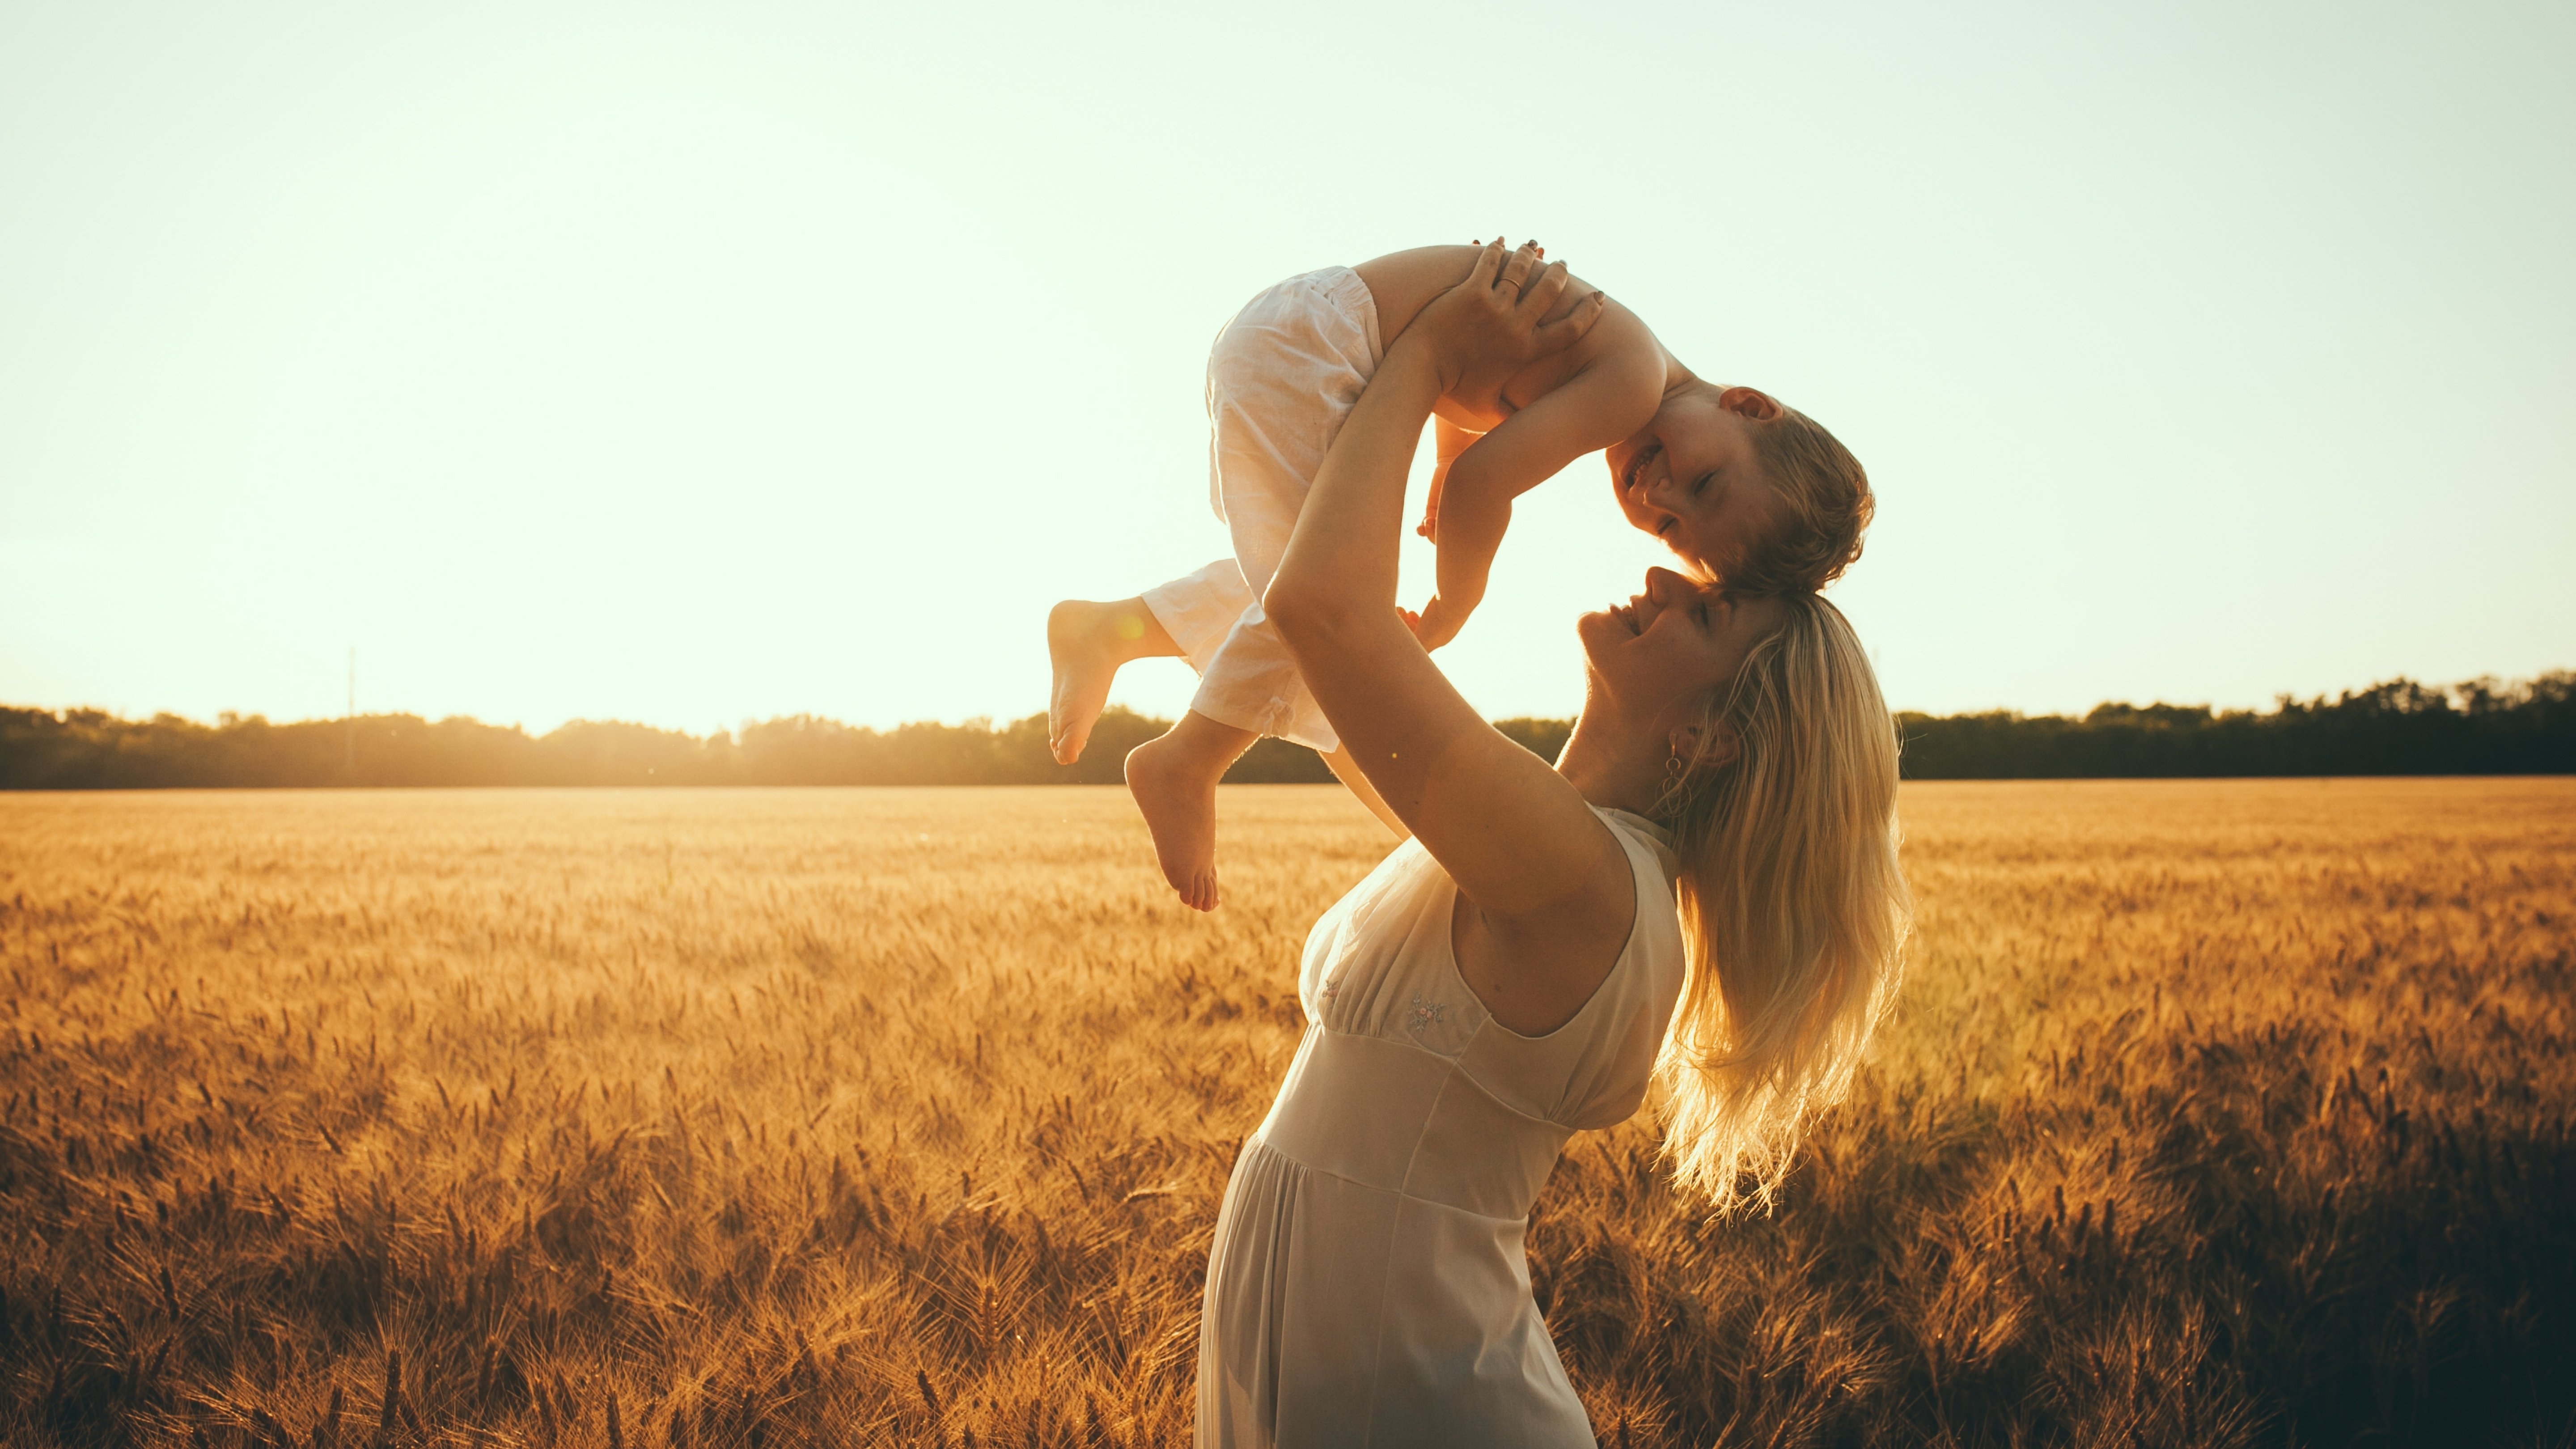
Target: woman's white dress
point(1368, 1284)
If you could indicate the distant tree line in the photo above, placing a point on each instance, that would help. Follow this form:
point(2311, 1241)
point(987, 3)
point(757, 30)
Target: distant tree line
point(89, 749)
point(2483, 727)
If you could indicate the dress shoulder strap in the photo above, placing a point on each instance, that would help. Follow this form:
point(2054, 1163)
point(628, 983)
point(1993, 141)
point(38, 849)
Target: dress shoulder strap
point(1648, 844)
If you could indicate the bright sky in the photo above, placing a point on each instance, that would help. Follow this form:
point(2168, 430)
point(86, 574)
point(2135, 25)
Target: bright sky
point(690, 364)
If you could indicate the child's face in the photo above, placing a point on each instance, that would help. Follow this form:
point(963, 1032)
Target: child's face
point(1691, 476)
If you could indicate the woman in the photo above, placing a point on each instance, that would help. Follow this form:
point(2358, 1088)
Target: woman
point(1511, 974)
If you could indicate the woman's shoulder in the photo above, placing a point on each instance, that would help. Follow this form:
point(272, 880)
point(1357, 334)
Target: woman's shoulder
point(1652, 960)
point(1592, 1069)
point(1649, 845)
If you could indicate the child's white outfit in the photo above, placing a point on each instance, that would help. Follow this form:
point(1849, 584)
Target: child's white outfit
point(1281, 379)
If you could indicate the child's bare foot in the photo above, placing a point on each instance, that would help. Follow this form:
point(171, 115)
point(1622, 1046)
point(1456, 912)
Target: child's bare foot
point(1087, 642)
point(1178, 796)
point(1174, 781)
point(1084, 646)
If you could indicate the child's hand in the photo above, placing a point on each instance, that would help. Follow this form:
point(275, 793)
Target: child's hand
point(1430, 525)
point(1437, 624)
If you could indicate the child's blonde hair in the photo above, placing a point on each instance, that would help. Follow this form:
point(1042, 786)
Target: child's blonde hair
point(1793, 905)
point(1821, 505)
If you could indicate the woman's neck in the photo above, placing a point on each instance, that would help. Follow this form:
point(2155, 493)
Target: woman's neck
point(1613, 767)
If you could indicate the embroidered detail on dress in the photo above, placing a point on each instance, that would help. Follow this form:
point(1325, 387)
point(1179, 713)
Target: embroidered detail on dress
point(1428, 1014)
point(1332, 988)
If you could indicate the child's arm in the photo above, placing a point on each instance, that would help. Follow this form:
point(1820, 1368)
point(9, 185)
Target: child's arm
point(1592, 410)
point(1448, 442)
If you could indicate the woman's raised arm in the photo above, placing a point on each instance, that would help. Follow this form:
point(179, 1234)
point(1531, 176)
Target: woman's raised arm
point(1516, 837)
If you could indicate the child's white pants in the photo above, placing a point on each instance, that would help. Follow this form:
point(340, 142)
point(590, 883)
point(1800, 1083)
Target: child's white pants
point(1281, 379)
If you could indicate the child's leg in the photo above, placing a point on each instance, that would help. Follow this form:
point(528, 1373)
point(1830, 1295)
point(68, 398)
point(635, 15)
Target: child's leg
point(1281, 377)
point(1086, 642)
point(1174, 781)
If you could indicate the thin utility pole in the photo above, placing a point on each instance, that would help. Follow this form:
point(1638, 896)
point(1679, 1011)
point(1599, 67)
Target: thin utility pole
point(353, 714)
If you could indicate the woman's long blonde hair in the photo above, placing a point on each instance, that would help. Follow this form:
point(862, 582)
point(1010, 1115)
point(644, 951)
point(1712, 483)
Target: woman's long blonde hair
point(1793, 905)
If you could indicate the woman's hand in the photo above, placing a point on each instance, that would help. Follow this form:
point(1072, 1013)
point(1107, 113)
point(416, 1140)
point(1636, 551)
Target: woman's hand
point(1493, 324)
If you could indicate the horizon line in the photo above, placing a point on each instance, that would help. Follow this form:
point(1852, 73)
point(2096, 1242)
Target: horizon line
point(227, 719)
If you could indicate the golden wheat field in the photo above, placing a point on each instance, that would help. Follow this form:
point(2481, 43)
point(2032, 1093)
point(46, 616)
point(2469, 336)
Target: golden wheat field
point(2211, 1113)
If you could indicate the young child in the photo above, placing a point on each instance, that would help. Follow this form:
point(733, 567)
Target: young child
point(1745, 490)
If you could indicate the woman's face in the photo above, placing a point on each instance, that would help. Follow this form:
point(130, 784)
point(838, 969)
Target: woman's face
point(1658, 655)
